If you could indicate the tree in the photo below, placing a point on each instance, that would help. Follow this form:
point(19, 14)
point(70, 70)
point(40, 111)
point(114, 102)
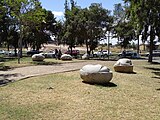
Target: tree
point(119, 13)
point(27, 13)
point(59, 32)
point(125, 32)
point(85, 26)
point(123, 25)
point(146, 17)
point(99, 18)
point(4, 22)
point(12, 38)
point(70, 25)
point(40, 34)
point(91, 24)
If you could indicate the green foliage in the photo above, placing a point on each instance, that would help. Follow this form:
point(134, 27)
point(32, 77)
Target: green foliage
point(123, 26)
point(24, 22)
point(125, 32)
point(18, 18)
point(119, 12)
point(145, 14)
point(85, 25)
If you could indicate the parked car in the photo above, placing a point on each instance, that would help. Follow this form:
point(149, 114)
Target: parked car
point(74, 52)
point(7, 53)
point(103, 53)
point(156, 53)
point(50, 54)
point(11, 53)
point(2, 52)
point(129, 54)
point(32, 52)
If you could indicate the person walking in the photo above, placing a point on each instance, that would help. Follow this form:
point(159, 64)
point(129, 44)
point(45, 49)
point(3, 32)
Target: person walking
point(56, 54)
point(59, 54)
point(124, 53)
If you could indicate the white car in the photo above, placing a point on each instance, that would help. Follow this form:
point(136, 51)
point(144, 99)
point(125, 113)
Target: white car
point(7, 53)
point(50, 54)
point(12, 53)
point(103, 53)
point(2, 52)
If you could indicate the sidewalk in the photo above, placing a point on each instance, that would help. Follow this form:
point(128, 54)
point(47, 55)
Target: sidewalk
point(30, 71)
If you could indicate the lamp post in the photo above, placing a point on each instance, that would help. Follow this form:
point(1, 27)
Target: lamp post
point(137, 37)
point(108, 36)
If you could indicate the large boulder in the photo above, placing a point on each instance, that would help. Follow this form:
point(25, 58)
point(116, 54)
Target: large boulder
point(96, 74)
point(66, 57)
point(85, 56)
point(123, 65)
point(38, 57)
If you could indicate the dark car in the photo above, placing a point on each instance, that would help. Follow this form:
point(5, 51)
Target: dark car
point(74, 52)
point(129, 54)
point(156, 53)
point(32, 52)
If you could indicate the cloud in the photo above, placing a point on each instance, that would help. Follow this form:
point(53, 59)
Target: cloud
point(58, 13)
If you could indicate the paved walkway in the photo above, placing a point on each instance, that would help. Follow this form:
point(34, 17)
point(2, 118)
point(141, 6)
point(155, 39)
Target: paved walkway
point(30, 71)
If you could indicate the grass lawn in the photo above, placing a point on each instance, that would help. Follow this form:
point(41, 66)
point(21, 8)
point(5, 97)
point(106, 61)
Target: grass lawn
point(64, 96)
point(27, 61)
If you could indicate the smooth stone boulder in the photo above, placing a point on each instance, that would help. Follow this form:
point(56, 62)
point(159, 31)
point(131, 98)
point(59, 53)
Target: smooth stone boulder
point(38, 57)
point(123, 65)
point(85, 56)
point(66, 57)
point(96, 74)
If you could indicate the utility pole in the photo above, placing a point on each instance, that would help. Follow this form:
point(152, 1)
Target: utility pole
point(109, 43)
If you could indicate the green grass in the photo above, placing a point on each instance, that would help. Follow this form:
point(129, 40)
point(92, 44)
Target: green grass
point(64, 96)
point(27, 61)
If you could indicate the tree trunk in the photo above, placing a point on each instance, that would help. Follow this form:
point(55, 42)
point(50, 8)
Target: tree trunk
point(15, 51)
point(71, 51)
point(151, 45)
point(20, 44)
point(8, 46)
point(138, 45)
point(87, 46)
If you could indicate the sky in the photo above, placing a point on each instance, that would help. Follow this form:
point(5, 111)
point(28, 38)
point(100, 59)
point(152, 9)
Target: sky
point(57, 6)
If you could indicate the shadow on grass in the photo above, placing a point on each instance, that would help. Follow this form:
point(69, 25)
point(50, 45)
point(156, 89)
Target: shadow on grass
point(45, 63)
point(9, 75)
point(109, 84)
point(156, 77)
point(156, 71)
point(4, 78)
point(103, 59)
point(158, 89)
point(2, 66)
point(5, 82)
point(155, 62)
point(127, 72)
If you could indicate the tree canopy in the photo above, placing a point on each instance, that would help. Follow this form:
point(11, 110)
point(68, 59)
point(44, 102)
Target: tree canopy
point(146, 17)
point(85, 26)
point(24, 23)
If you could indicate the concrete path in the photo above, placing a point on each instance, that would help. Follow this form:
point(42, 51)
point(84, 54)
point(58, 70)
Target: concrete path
point(30, 71)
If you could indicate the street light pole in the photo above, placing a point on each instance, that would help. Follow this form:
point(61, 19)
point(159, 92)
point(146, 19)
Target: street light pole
point(108, 44)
